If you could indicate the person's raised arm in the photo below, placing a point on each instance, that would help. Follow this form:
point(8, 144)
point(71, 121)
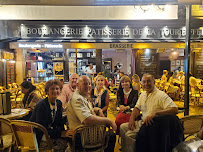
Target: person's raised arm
point(169, 111)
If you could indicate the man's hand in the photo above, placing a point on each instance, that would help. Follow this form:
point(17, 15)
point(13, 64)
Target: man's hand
point(100, 113)
point(149, 119)
point(67, 133)
point(131, 124)
point(113, 125)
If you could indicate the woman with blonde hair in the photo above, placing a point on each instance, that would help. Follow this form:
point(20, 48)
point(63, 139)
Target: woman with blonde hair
point(127, 98)
point(163, 79)
point(164, 76)
point(181, 78)
point(100, 95)
point(136, 82)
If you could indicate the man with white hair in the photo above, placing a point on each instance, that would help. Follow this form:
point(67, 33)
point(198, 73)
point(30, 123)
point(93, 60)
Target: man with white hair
point(80, 111)
point(68, 90)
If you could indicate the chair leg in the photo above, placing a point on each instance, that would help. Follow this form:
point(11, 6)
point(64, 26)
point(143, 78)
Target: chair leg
point(119, 140)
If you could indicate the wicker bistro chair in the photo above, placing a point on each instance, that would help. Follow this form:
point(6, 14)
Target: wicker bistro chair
point(93, 138)
point(26, 138)
point(16, 98)
point(192, 125)
point(40, 89)
point(196, 94)
point(7, 137)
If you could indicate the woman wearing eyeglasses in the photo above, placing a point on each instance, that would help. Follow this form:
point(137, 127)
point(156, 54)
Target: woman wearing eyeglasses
point(48, 113)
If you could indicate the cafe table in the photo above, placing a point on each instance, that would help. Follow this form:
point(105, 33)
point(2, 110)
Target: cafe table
point(191, 145)
point(15, 114)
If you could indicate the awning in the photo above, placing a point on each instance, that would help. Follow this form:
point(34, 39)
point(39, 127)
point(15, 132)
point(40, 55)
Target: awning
point(105, 41)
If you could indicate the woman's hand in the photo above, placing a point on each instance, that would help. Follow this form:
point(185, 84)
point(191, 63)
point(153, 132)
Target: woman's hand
point(122, 108)
point(29, 109)
point(127, 107)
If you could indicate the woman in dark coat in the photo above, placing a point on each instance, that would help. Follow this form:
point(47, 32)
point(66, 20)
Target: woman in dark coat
point(127, 98)
point(48, 113)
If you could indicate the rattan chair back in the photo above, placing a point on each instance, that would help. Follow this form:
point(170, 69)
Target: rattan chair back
point(192, 124)
point(25, 135)
point(93, 138)
point(7, 137)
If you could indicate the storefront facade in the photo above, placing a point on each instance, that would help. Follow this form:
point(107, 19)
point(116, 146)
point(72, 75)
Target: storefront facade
point(55, 49)
point(91, 37)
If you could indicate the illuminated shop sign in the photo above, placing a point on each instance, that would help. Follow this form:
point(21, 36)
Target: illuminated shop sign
point(134, 2)
point(32, 45)
point(107, 32)
point(121, 46)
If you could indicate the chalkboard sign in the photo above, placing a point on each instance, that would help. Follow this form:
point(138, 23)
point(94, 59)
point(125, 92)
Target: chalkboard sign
point(148, 62)
point(198, 70)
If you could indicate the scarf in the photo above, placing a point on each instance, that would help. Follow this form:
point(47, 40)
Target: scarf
point(97, 102)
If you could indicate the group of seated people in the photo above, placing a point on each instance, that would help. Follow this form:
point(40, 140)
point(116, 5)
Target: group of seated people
point(175, 85)
point(84, 105)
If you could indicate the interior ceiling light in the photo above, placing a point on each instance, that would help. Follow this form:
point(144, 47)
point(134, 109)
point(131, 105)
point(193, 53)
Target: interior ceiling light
point(162, 9)
point(146, 8)
point(173, 55)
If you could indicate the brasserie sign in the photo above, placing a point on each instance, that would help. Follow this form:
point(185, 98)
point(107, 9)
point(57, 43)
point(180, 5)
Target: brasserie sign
point(107, 32)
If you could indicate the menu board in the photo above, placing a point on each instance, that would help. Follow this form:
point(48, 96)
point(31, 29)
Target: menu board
point(10, 72)
point(148, 62)
point(198, 69)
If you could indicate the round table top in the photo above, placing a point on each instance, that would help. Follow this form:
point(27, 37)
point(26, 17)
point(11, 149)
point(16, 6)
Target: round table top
point(15, 114)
